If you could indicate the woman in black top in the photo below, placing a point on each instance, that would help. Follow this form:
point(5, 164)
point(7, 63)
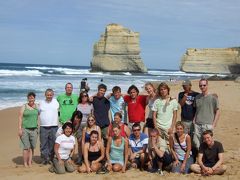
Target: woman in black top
point(93, 154)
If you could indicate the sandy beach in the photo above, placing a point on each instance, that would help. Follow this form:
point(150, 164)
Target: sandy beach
point(227, 132)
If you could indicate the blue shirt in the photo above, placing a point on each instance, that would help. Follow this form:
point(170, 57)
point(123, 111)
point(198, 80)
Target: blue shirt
point(138, 144)
point(117, 105)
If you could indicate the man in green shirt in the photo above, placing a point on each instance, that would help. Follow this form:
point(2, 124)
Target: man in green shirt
point(67, 103)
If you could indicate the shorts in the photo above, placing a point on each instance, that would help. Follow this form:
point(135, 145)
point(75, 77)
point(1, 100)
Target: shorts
point(29, 138)
point(149, 123)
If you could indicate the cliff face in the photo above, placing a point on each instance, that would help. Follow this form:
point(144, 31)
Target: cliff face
point(222, 60)
point(117, 50)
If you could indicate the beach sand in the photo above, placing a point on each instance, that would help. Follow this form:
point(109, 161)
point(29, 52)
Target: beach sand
point(227, 132)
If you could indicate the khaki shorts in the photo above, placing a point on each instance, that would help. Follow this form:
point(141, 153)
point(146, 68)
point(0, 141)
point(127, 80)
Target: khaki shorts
point(29, 138)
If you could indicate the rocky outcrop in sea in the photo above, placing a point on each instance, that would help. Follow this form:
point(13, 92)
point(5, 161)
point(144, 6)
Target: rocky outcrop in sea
point(212, 60)
point(118, 50)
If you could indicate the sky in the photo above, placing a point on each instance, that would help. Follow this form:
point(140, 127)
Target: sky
point(63, 32)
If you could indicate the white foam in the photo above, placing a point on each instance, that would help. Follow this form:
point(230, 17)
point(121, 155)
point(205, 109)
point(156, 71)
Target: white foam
point(20, 73)
point(176, 73)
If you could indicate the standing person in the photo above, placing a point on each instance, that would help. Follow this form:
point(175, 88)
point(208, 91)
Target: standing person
point(93, 154)
point(210, 157)
point(125, 131)
point(117, 151)
point(207, 112)
point(64, 149)
point(117, 103)
point(101, 107)
point(138, 144)
point(158, 153)
point(165, 112)
point(136, 106)
point(28, 128)
point(152, 96)
point(180, 145)
point(186, 100)
point(67, 102)
point(48, 110)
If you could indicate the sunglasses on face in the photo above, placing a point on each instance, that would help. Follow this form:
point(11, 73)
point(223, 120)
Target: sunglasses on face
point(202, 85)
point(134, 130)
point(91, 120)
point(84, 95)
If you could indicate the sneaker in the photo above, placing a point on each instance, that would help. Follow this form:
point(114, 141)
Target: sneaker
point(102, 170)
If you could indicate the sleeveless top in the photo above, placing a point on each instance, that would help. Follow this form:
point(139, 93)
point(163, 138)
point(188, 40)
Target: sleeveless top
point(116, 154)
point(87, 134)
point(92, 156)
point(122, 133)
point(150, 105)
point(180, 153)
point(30, 118)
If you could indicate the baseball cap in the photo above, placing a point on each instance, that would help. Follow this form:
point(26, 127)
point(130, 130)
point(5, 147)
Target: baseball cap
point(186, 82)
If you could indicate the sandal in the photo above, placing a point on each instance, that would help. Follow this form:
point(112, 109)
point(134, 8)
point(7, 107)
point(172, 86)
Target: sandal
point(102, 170)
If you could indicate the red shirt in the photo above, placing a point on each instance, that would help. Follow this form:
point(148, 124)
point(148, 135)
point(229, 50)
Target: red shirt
point(136, 110)
point(122, 133)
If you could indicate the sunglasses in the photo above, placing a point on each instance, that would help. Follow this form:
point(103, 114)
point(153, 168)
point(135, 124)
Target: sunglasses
point(84, 96)
point(202, 85)
point(134, 130)
point(91, 120)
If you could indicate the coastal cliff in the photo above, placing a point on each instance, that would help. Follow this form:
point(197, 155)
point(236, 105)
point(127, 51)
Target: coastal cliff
point(212, 60)
point(117, 51)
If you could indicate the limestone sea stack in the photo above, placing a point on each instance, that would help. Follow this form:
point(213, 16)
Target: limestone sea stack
point(118, 50)
point(212, 60)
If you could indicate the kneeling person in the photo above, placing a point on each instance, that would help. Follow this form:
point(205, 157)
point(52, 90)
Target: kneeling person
point(138, 144)
point(210, 157)
point(93, 154)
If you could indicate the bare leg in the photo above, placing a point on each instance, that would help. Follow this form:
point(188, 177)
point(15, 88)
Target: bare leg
point(30, 155)
point(25, 157)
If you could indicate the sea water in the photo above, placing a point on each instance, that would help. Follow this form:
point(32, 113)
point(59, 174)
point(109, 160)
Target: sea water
point(16, 80)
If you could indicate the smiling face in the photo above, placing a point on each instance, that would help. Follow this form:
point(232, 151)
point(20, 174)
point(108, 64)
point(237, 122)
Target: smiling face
point(31, 100)
point(150, 89)
point(68, 89)
point(49, 96)
point(91, 121)
point(116, 131)
point(117, 119)
point(117, 94)
point(163, 92)
point(179, 130)
point(67, 131)
point(94, 138)
point(101, 92)
point(203, 85)
point(133, 94)
point(136, 131)
point(208, 139)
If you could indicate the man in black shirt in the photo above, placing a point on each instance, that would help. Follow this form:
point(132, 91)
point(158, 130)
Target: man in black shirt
point(101, 107)
point(210, 157)
point(186, 100)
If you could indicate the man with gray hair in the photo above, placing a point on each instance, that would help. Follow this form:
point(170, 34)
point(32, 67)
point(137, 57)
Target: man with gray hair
point(48, 110)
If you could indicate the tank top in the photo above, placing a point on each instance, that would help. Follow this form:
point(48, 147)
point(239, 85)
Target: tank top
point(92, 156)
point(87, 134)
point(116, 154)
point(150, 105)
point(180, 153)
point(30, 118)
point(122, 133)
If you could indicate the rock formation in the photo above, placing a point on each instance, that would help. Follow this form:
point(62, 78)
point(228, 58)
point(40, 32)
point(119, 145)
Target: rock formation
point(117, 50)
point(213, 60)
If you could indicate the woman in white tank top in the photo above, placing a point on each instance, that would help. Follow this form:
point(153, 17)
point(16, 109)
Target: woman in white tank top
point(180, 145)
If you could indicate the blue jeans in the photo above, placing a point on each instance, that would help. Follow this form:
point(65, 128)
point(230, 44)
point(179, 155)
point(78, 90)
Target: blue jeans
point(47, 140)
point(177, 169)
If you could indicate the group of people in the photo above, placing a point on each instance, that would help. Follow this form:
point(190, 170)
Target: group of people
point(119, 131)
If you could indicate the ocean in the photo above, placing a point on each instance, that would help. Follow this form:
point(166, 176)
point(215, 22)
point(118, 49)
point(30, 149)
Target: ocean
point(16, 80)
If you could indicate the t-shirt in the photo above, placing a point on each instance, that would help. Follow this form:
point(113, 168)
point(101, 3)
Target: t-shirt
point(188, 109)
point(101, 107)
point(48, 113)
point(210, 155)
point(66, 145)
point(136, 109)
point(164, 112)
point(68, 105)
point(86, 109)
point(138, 144)
point(117, 105)
point(205, 108)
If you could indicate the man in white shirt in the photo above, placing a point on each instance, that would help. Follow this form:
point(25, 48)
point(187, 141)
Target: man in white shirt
point(48, 110)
